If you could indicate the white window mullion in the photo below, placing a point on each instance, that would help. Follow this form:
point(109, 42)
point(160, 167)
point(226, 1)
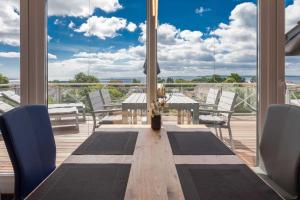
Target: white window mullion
point(33, 51)
point(271, 59)
point(151, 54)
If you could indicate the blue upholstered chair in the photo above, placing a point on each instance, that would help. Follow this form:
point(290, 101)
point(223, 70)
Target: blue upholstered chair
point(30, 143)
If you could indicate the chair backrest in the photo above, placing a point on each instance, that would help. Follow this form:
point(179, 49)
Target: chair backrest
point(96, 101)
point(29, 140)
point(280, 146)
point(4, 107)
point(212, 96)
point(106, 96)
point(12, 96)
point(227, 102)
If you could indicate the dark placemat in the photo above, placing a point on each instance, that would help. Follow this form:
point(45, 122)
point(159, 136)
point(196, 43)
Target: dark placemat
point(85, 181)
point(108, 143)
point(222, 182)
point(197, 143)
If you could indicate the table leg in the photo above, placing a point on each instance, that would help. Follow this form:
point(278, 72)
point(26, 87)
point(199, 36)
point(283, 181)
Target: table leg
point(179, 116)
point(196, 114)
point(134, 116)
point(125, 116)
point(183, 112)
point(83, 114)
point(189, 117)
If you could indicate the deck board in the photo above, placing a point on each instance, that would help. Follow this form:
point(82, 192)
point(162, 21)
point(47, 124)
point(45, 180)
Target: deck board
point(243, 128)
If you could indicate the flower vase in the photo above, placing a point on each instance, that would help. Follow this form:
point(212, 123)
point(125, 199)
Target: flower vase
point(156, 122)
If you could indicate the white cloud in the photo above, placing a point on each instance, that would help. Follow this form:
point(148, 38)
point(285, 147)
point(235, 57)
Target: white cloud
point(292, 15)
point(167, 34)
point(71, 25)
point(131, 27)
point(125, 62)
point(9, 55)
point(81, 8)
point(230, 48)
point(49, 38)
point(236, 41)
point(142, 37)
point(180, 52)
point(103, 27)
point(191, 35)
point(13, 54)
point(9, 22)
point(52, 56)
point(56, 22)
point(201, 10)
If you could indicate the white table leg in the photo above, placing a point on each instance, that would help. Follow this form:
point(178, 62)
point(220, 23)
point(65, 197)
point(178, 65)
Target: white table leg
point(125, 116)
point(179, 116)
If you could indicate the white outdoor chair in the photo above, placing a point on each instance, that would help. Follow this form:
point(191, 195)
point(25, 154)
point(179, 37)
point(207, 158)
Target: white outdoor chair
point(4, 107)
point(100, 113)
point(210, 102)
point(15, 99)
point(54, 112)
point(220, 118)
point(107, 99)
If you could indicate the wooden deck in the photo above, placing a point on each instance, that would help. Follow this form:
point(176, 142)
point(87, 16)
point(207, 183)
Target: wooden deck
point(67, 140)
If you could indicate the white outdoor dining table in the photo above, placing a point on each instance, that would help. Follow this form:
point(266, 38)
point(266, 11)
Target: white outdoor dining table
point(177, 101)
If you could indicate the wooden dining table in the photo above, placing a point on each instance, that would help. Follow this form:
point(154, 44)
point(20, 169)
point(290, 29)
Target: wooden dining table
point(177, 162)
point(177, 101)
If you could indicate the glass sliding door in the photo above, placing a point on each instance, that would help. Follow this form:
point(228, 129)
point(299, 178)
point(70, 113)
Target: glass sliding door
point(292, 50)
point(9, 66)
point(93, 45)
point(205, 45)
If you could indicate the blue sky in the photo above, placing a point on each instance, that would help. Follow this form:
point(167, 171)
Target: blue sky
point(182, 16)
point(196, 37)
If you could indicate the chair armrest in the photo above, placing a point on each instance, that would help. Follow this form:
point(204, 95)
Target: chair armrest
point(215, 111)
point(106, 110)
point(99, 111)
point(112, 105)
point(208, 105)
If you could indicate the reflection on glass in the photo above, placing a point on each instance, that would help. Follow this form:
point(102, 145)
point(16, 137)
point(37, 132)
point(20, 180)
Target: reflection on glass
point(292, 49)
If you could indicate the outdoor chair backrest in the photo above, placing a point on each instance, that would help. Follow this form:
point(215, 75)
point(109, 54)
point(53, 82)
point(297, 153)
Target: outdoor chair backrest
point(227, 102)
point(212, 96)
point(280, 147)
point(4, 107)
point(96, 101)
point(106, 96)
point(12, 96)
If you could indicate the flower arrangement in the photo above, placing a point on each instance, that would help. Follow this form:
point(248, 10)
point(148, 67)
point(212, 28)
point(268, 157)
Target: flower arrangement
point(161, 101)
point(158, 105)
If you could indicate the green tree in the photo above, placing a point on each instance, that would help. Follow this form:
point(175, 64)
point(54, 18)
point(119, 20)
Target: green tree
point(83, 78)
point(136, 81)
point(253, 79)
point(215, 78)
point(3, 79)
point(160, 80)
point(203, 79)
point(181, 81)
point(80, 93)
point(170, 80)
point(234, 78)
point(115, 93)
point(55, 81)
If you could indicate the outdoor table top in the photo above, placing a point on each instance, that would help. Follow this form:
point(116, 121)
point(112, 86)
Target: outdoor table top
point(175, 98)
point(154, 170)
